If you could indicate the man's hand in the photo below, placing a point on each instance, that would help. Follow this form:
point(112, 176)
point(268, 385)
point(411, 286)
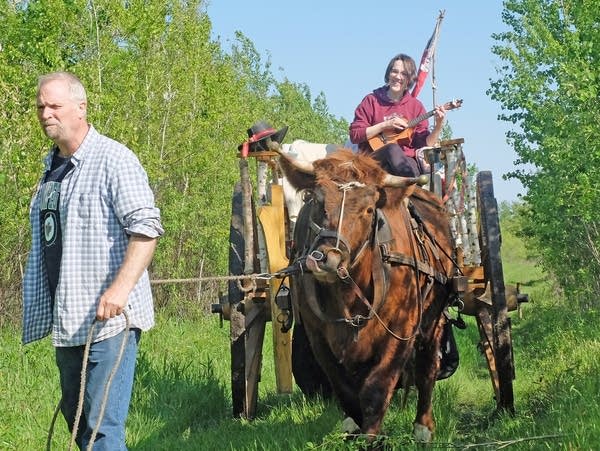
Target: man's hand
point(111, 304)
point(137, 258)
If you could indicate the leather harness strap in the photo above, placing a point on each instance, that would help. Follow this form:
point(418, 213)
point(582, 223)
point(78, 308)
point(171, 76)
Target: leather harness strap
point(384, 237)
point(403, 259)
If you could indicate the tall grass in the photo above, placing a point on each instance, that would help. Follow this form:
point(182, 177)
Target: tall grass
point(182, 397)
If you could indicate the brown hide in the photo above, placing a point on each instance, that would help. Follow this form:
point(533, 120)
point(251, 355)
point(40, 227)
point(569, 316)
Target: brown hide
point(364, 362)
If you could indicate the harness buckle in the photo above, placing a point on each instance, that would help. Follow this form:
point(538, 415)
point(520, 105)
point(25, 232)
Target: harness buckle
point(357, 321)
point(383, 250)
point(317, 256)
point(343, 273)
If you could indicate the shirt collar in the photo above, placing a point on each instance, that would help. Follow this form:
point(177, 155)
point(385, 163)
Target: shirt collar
point(81, 152)
point(86, 145)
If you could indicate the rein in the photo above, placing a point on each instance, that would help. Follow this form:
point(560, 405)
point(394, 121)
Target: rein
point(417, 265)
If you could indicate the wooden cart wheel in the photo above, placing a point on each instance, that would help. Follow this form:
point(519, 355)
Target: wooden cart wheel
point(494, 323)
point(247, 317)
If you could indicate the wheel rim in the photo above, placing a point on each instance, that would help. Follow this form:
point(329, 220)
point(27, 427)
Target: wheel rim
point(490, 241)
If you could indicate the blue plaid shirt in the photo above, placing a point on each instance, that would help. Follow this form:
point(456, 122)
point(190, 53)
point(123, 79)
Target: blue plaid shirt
point(104, 199)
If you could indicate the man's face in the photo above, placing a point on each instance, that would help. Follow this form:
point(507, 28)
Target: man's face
point(60, 116)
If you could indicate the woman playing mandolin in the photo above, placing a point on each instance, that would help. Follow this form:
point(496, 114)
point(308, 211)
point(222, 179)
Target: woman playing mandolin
point(391, 124)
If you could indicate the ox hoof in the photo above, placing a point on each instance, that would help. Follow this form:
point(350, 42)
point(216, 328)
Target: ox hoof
point(349, 426)
point(422, 433)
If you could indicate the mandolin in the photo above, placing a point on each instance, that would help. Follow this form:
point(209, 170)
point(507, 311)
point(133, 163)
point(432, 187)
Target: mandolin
point(403, 137)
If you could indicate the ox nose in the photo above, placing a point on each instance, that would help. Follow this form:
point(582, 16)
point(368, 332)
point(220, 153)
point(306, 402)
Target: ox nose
point(327, 260)
point(333, 258)
point(313, 261)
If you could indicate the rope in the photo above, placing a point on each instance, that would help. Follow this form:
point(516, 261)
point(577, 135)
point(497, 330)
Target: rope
point(83, 381)
point(52, 423)
point(108, 382)
point(260, 276)
point(344, 187)
point(372, 313)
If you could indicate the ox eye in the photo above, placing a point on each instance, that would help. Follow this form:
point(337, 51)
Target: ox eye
point(370, 210)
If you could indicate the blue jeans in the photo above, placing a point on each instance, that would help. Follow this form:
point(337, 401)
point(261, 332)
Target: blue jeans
point(101, 362)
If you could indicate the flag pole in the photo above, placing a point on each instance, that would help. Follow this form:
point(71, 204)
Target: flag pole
point(433, 83)
point(433, 87)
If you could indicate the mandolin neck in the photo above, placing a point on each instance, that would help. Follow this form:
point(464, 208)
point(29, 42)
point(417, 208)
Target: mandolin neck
point(412, 123)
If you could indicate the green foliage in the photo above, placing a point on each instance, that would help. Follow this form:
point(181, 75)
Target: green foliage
point(446, 131)
point(157, 83)
point(548, 87)
point(20, 142)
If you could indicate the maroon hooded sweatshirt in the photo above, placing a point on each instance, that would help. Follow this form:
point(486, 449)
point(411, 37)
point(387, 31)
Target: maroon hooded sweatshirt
point(376, 107)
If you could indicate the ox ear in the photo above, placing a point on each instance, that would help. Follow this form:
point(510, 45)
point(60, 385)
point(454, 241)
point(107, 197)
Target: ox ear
point(393, 197)
point(296, 174)
point(382, 200)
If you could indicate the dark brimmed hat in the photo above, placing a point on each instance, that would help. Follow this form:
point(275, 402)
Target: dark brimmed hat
point(258, 134)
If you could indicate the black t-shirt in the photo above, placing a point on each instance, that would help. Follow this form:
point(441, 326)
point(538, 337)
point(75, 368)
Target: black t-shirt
point(50, 218)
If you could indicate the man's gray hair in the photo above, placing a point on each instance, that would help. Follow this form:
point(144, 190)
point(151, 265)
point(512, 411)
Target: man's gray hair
point(75, 86)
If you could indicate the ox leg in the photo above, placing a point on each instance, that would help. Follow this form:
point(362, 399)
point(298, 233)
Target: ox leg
point(375, 397)
point(343, 387)
point(427, 368)
point(307, 372)
point(380, 385)
point(346, 392)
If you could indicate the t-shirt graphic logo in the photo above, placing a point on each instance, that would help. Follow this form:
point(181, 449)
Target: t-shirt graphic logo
point(49, 207)
point(50, 228)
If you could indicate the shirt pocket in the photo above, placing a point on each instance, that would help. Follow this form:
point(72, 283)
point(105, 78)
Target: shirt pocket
point(89, 210)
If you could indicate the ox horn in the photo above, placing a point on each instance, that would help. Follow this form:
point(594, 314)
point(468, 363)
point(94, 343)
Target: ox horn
point(301, 165)
point(397, 181)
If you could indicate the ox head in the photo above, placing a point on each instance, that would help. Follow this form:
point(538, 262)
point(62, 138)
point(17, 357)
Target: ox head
point(346, 191)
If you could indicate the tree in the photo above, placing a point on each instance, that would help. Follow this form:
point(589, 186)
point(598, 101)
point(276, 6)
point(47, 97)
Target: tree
point(548, 86)
point(156, 82)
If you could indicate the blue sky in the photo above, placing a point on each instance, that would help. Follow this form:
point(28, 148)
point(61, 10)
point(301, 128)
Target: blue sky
point(342, 49)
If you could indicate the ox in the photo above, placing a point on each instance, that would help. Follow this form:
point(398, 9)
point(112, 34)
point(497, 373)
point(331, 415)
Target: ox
point(375, 252)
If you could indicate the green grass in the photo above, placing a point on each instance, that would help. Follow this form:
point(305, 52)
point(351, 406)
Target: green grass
point(182, 397)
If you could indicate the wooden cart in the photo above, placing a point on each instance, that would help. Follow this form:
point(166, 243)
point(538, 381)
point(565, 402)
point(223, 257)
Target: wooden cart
point(260, 230)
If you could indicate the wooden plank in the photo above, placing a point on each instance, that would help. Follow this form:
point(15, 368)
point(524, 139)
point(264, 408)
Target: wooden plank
point(272, 219)
point(474, 273)
point(451, 142)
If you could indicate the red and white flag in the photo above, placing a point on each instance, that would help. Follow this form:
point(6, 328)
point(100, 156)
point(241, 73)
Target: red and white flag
point(427, 58)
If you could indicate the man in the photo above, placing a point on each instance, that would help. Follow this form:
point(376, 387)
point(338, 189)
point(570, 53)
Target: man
point(94, 230)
